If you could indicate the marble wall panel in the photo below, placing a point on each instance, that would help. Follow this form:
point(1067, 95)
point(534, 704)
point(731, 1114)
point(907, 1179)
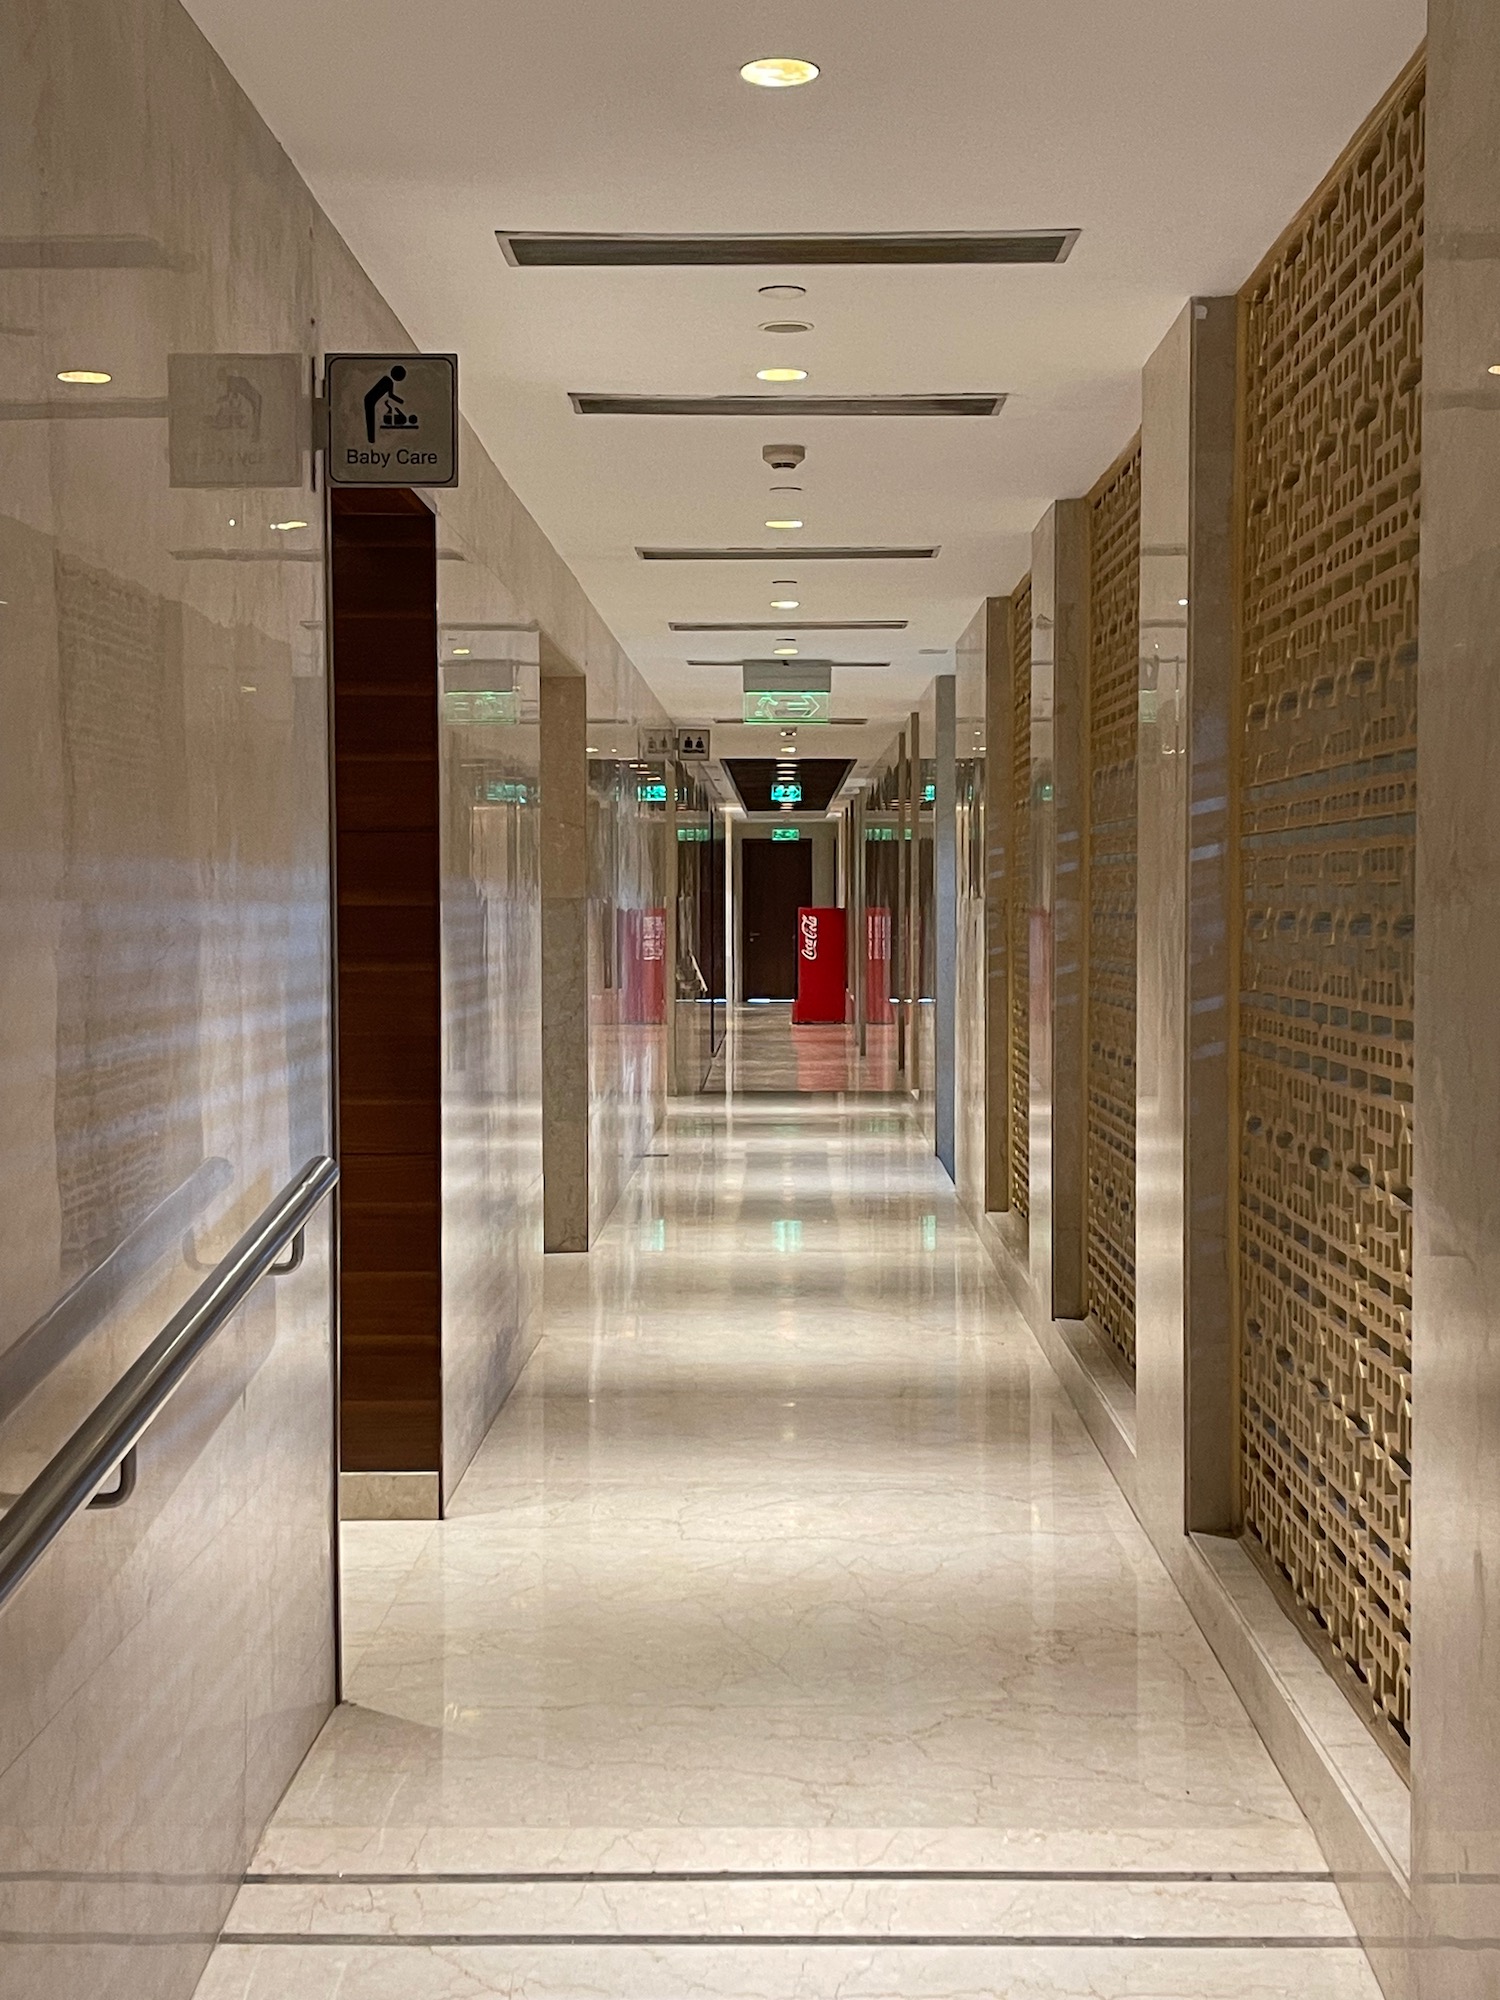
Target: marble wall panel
point(1184, 1363)
point(164, 984)
point(565, 962)
point(1456, 1397)
point(163, 993)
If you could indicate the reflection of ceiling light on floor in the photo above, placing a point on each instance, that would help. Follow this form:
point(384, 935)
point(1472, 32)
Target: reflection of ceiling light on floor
point(96, 377)
point(779, 72)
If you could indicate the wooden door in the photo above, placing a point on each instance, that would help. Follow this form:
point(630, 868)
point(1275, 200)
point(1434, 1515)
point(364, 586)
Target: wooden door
point(775, 881)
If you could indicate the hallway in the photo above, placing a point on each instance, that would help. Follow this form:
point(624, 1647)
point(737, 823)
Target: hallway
point(788, 1637)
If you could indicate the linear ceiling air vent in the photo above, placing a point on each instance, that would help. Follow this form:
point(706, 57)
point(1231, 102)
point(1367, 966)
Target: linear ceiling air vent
point(795, 625)
point(545, 250)
point(834, 722)
point(746, 663)
point(786, 554)
point(589, 404)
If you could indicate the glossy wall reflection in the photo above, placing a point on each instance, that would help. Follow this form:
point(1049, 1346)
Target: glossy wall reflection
point(164, 993)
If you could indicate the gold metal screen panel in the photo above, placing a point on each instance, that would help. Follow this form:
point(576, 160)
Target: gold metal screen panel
point(1331, 456)
point(1020, 901)
point(1114, 705)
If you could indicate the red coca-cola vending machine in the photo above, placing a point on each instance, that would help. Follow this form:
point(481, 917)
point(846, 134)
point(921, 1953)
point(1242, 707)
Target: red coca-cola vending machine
point(822, 958)
point(878, 964)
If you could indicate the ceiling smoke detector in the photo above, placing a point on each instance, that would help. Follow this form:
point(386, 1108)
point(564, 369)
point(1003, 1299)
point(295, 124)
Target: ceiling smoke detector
point(784, 457)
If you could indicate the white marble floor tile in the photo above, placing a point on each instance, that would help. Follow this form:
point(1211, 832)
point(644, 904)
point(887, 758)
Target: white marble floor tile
point(787, 1554)
point(880, 1971)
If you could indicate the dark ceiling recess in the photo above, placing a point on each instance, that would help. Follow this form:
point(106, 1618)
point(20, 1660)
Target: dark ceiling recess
point(819, 777)
point(589, 404)
point(787, 555)
point(795, 625)
point(539, 250)
point(757, 663)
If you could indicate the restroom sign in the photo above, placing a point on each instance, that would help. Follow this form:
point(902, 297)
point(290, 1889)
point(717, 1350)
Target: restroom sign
point(392, 419)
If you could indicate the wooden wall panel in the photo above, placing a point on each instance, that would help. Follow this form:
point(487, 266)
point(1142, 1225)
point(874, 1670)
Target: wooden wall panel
point(1331, 483)
point(385, 649)
point(1114, 709)
point(1020, 902)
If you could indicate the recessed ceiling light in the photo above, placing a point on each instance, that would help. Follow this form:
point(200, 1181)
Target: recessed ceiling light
point(783, 291)
point(786, 326)
point(591, 749)
point(95, 376)
point(781, 374)
point(785, 652)
point(285, 527)
point(786, 604)
point(1495, 370)
point(783, 524)
point(461, 652)
point(786, 489)
point(1182, 604)
point(779, 72)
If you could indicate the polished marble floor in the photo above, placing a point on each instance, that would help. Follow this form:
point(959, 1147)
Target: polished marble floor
point(788, 1638)
point(764, 1053)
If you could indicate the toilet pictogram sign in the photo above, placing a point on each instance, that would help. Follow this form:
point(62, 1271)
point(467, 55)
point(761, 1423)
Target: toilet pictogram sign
point(392, 419)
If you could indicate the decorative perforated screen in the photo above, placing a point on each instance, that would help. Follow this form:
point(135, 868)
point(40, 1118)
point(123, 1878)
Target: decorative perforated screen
point(1114, 677)
point(1020, 901)
point(1330, 444)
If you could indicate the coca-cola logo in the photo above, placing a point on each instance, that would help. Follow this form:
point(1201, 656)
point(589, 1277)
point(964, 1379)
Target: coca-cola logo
point(808, 925)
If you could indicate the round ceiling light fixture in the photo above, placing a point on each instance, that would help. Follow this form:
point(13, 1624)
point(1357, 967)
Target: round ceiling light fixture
point(779, 72)
point(283, 527)
point(783, 291)
point(786, 326)
point(95, 377)
point(786, 604)
point(783, 524)
point(785, 652)
point(781, 374)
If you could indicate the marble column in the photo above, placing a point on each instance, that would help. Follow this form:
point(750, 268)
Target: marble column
point(1185, 1361)
point(565, 958)
point(1059, 903)
point(945, 920)
point(1456, 1277)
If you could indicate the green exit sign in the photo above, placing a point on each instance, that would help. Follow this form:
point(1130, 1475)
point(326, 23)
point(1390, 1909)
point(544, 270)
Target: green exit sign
point(786, 833)
point(788, 706)
point(692, 833)
point(786, 795)
point(651, 795)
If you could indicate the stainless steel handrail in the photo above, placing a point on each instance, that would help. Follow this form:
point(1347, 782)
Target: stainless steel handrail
point(68, 1322)
point(109, 1435)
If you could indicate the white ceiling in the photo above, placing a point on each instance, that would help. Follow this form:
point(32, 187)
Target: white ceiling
point(1178, 135)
